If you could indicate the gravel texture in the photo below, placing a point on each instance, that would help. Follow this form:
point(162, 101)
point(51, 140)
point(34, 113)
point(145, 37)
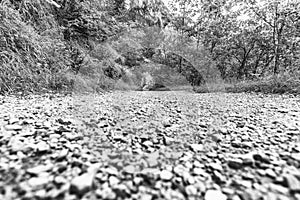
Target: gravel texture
point(150, 145)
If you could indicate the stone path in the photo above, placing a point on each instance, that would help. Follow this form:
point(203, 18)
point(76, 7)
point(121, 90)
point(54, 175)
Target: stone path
point(150, 145)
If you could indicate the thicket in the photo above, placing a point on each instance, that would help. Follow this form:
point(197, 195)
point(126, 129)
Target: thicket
point(46, 44)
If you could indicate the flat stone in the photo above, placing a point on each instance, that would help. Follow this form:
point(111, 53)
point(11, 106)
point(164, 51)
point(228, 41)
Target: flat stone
point(166, 175)
point(196, 147)
point(130, 169)
point(83, 183)
point(39, 169)
point(113, 180)
point(235, 163)
point(191, 190)
point(42, 147)
point(216, 166)
point(292, 182)
point(214, 195)
point(13, 127)
point(37, 182)
point(270, 173)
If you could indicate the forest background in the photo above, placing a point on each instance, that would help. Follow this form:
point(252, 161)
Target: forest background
point(92, 45)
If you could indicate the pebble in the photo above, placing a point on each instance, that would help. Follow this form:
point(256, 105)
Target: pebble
point(38, 182)
point(292, 182)
point(235, 163)
point(39, 169)
point(42, 147)
point(82, 184)
point(166, 175)
point(197, 147)
point(13, 127)
point(191, 190)
point(214, 195)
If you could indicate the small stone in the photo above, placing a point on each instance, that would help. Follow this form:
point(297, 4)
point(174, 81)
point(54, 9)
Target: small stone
point(219, 178)
point(41, 194)
point(82, 184)
point(113, 180)
point(214, 195)
point(37, 182)
point(216, 166)
point(296, 156)
point(42, 147)
point(39, 169)
point(148, 143)
point(292, 182)
point(72, 136)
point(196, 147)
point(179, 169)
point(62, 154)
point(270, 173)
point(228, 191)
point(146, 197)
point(129, 169)
point(166, 175)
point(261, 157)
point(106, 193)
point(167, 140)
point(235, 163)
point(278, 188)
point(13, 127)
point(191, 190)
point(60, 180)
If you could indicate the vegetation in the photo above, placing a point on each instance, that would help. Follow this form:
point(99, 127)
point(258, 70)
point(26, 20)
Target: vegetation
point(92, 45)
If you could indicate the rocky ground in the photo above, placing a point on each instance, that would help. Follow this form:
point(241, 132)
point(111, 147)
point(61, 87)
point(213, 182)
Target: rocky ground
point(150, 145)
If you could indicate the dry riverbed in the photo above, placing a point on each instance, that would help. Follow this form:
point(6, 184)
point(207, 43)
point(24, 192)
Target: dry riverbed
point(150, 145)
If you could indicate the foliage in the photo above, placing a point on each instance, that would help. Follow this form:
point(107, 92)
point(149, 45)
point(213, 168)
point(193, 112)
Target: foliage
point(244, 38)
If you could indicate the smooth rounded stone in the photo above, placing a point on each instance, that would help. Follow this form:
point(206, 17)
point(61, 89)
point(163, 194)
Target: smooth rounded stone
point(145, 197)
point(295, 156)
point(216, 166)
point(168, 140)
point(38, 182)
point(278, 188)
point(106, 193)
point(62, 155)
point(113, 180)
point(129, 169)
point(54, 136)
point(271, 173)
point(147, 143)
point(39, 169)
point(179, 169)
point(13, 127)
point(261, 157)
point(16, 145)
point(41, 194)
point(82, 184)
point(197, 147)
point(60, 180)
point(235, 163)
point(214, 195)
point(191, 190)
point(199, 171)
point(248, 176)
point(71, 136)
point(219, 178)
point(292, 182)
point(228, 191)
point(165, 175)
point(42, 147)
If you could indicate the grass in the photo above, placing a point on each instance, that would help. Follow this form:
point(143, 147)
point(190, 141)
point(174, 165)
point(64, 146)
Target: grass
point(268, 85)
